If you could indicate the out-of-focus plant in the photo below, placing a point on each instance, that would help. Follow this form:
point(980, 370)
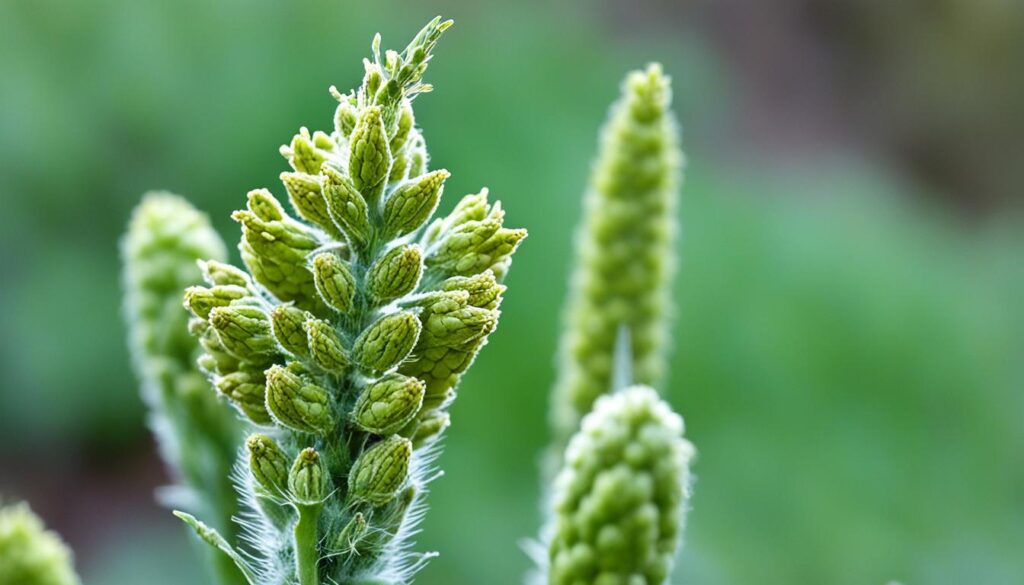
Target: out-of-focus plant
point(29, 554)
point(342, 344)
point(199, 437)
point(617, 504)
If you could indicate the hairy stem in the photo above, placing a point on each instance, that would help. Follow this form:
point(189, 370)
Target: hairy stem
point(306, 553)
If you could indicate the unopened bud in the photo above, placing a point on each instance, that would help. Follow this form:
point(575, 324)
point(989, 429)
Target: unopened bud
point(245, 332)
point(306, 197)
point(268, 463)
point(369, 156)
point(380, 471)
point(325, 346)
point(302, 154)
point(247, 390)
point(429, 427)
point(334, 281)
point(200, 300)
point(296, 404)
point(345, 205)
point(307, 480)
point(218, 273)
point(412, 204)
point(387, 405)
point(289, 324)
point(396, 273)
point(388, 341)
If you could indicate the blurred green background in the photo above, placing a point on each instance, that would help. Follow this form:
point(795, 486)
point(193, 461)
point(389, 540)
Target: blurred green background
point(849, 350)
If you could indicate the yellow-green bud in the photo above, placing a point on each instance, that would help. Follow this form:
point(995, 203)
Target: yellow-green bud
point(325, 346)
point(396, 273)
point(417, 156)
point(370, 155)
point(306, 197)
point(296, 404)
point(307, 480)
point(413, 203)
point(264, 205)
point(218, 273)
point(484, 290)
point(289, 324)
point(388, 404)
point(275, 252)
point(334, 281)
point(345, 205)
point(345, 115)
point(347, 541)
point(388, 341)
point(245, 332)
point(303, 154)
point(200, 300)
point(267, 463)
point(475, 246)
point(247, 390)
point(380, 471)
point(406, 121)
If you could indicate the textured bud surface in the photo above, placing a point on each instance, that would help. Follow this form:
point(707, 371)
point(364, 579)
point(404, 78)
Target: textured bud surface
point(387, 341)
point(389, 404)
point(396, 273)
point(306, 480)
point(624, 255)
point(29, 554)
point(379, 473)
point(619, 500)
point(267, 463)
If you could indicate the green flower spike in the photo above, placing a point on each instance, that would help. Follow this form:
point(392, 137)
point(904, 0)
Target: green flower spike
point(198, 434)
point(624, 252)
point(29, 554)
point(359, 316)
point(619, 500)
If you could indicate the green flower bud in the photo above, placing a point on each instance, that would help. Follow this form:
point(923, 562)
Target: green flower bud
point(297, 404)
point(275, 253)
point(484, 290)
point(345, 115)
point(29, 554)
point(388, 341)
point(325, 347)
point(200, 300)
point(380, 471)
point(475, 246)
point(346, 206)
point(388, 404)
point(247, 390)
point(218, 273)
point(406, 122)
point(307, 480)
point(413, 203)
point(473, 207)
point(264, 205)
point(396, 273)
point(216, 359)
point(418, 157)
point(334, 281)
point(302, 154)
point(351, 536)
point(267, 463)
point(289, 325)
point(370, 156)
point(305, 194)
point(624, 251)
point(245, 332)
point(619, 500)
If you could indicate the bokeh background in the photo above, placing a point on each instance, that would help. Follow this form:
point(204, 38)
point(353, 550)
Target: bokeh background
point(849, 351)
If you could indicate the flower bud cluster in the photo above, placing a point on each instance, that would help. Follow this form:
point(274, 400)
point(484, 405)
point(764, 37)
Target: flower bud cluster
point(344, 339)
point(624, 250)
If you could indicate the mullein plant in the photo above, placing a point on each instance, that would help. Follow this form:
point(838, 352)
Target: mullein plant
point(29, 554)
point(341, 344)
point(616, 509)
point(198, 436)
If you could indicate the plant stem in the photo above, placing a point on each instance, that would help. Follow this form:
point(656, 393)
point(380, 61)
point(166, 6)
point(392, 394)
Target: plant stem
point(306, 554)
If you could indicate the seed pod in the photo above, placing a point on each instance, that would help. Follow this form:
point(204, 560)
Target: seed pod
point(267, 463)
point(334, 281)
point(396, 273)
point(380, 471)
point(345, 205)
point(245, 332)
point(289, 324)
point(369, 156)
point(304, 191)
point(307, 480)
point(325, 347)
point(247, 390)
point(297, 404)
point(200, 300)
point(388, 341)
point(218, 273)
point(412, 204)
point(388, 404)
